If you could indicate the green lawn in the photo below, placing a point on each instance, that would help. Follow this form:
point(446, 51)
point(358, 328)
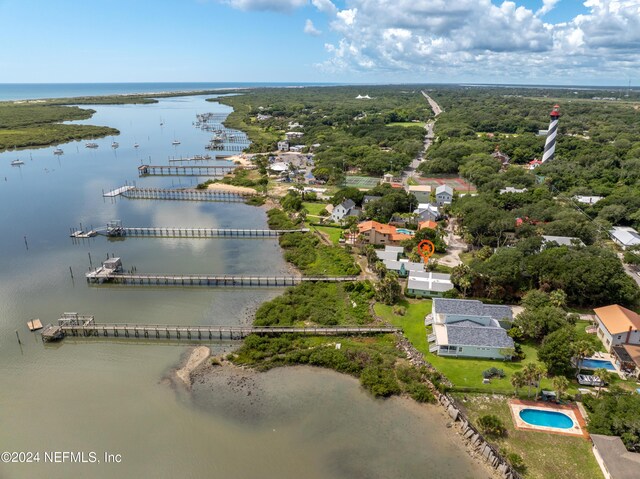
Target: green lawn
point(545, 455)
point(314, 208)
point(464, 373)
point(333, 232)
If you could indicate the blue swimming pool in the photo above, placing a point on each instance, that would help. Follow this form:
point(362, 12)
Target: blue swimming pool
point(405, 231)
point(598, 364)
point(539, 417)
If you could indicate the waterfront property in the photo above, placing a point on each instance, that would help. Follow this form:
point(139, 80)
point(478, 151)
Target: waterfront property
point(469, 328)
point(372, 232)
point(614, 459)
point(617, 325)
point(426, 284)
point(550, 418)
point(390, 257)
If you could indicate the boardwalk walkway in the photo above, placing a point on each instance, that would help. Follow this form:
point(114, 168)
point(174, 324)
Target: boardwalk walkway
point(169, 232)
point(164, 331)
point(190, 194)
point(184, 170)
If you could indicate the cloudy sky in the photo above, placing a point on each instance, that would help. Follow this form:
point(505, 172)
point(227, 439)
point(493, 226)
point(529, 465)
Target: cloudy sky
point(586, 42)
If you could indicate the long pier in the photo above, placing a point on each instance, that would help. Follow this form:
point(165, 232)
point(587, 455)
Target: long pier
point(164, 331)
point(189, 194)
point(184, 170)
point(169, 232)
point(104, 275)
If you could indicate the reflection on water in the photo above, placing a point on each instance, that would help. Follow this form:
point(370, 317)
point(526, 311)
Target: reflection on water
point(108, 396)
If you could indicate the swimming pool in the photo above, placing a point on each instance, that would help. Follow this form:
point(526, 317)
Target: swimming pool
point(598, 364)
point(405, 231)
point(546, 418)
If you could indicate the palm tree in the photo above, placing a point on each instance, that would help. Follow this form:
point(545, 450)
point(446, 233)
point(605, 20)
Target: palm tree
point(518, 380)
point(528, 373)
point(540, 372)
point(560, 384)
point(582, 349)
point(602, 374)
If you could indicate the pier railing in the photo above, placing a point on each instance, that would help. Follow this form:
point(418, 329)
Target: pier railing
point(169, 232)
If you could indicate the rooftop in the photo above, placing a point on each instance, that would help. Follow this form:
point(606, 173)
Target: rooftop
point(419, 188)
point(348, 204)
point(427, 224)
point(625, 235)
point(421, 280)
point(444, 189)
point(620, 463)
point(468, 333)
point(471, 307)
point(562, 240)
point(618, 319)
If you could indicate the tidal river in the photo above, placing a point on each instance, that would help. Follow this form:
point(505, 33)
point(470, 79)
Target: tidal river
point(108, 396)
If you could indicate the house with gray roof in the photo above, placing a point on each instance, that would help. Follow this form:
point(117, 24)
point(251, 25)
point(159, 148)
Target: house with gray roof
point(369, 198)
point(427, 212)
point(426, 284)
point(403, 267)
point(614, 459)
point(469, 328)
point(344, 209)
point(444, 195)
point(625, 236)
point(444, 310)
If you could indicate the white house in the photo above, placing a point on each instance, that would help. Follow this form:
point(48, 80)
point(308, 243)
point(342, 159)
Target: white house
point(617, 325)
point(547, 240)
point(427, 212)
point(283, 145)
point(469, 328)
point(625, 236)
point(423, 283)
point(344, 209)
point(444, 195)
point(588, 200)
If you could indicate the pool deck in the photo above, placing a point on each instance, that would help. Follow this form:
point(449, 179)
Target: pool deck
point(579, 428)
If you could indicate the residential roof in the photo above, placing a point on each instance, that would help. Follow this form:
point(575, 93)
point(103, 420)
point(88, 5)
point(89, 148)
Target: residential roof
point(387, 255)
point(511, 189)
point(444, 189)
point(471, 307)
point(408, 265)
point(589, 200)
point(468, 333)
point(562, 240)
point(622, 354)
point(348, 204)
point(395, 249)
point(400, 236)
point(368, 198)
point(427, 224)
point(618, 319)
point(426, 207)
point(625, 235)
point(620, 463)
point(374, 225)
point(634, 353)
point(427, 281)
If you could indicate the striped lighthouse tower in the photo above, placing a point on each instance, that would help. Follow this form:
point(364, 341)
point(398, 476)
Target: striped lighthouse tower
point(550, 143)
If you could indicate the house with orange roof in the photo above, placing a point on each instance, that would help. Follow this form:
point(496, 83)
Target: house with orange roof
point(373, 232)
point(617, 325)
point(427, 224)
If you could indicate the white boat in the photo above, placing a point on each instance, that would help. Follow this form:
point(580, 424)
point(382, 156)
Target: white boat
point(58, 151)
point(91, 145)
point(115, 145)
point(17, 163)
point(175, 142)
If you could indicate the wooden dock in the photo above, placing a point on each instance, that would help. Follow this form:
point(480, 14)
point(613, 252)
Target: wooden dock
point(184, 170)
point(188, 194)
point(104, 275)
point(218, 333)
point(169, 232)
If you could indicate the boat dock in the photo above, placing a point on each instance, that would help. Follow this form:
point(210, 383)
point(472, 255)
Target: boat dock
point(184, 170)
point(74, 325)
point(189, 194)
point(105, 276)
point(168, 232)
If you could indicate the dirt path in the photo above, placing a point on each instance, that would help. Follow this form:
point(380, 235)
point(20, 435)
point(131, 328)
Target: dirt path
point(455, 246)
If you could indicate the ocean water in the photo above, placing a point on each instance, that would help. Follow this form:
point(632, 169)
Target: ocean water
point(31, 91)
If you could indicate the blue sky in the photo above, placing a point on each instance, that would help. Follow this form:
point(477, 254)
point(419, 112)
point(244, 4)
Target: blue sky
point(480, 41)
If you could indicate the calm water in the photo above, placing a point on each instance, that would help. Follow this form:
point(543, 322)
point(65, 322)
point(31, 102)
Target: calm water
point(28, 91)
point(110, 396)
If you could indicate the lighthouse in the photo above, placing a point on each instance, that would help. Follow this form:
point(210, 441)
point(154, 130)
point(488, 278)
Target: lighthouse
point(550, 143)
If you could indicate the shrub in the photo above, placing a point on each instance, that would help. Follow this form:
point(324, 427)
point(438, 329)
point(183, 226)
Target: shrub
point(399, 310)
point(379, 382)
point(421, 393)
point(492, 425)
point(493, 373)
point(516, 461)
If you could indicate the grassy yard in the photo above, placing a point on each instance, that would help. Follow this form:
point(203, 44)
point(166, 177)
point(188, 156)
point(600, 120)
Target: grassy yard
point(545, 455)
point(334, 233)
point(314, 208)
point(465, 374)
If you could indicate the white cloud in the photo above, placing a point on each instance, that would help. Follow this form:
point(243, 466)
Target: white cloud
point(325, 6)
point(310, 29)
point(266, 5)
point(547, 6)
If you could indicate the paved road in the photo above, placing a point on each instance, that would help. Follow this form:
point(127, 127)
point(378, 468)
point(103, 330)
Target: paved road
point(455, 246)
point(434, 106)
point(629, 269)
